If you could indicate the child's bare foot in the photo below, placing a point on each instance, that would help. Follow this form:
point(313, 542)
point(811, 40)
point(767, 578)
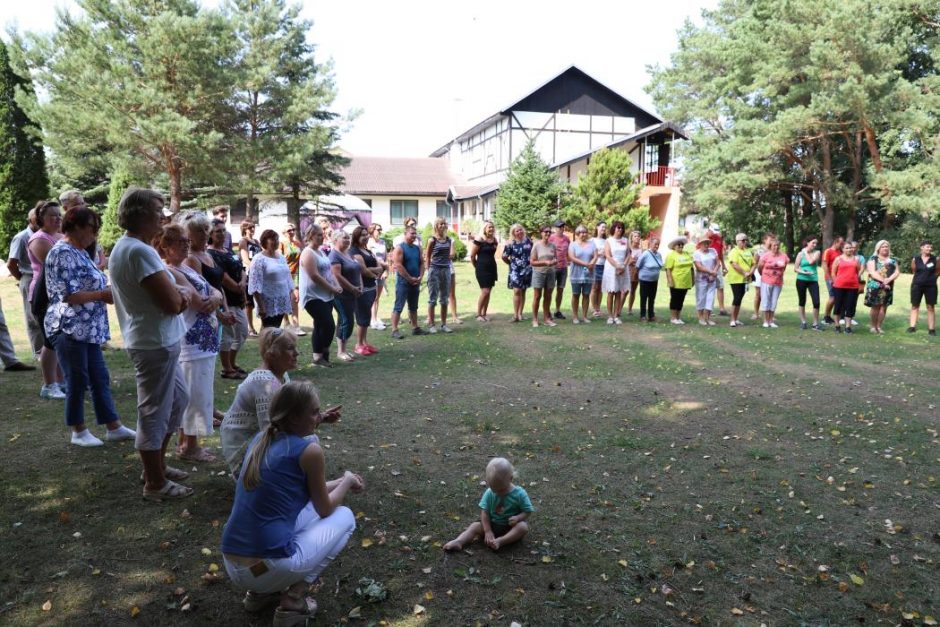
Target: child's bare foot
point(453, 546)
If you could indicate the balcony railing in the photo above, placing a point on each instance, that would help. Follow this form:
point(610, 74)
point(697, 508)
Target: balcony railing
point(662, 176)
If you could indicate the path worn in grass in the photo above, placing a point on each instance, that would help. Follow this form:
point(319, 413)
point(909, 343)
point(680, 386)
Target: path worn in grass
point(706, 476)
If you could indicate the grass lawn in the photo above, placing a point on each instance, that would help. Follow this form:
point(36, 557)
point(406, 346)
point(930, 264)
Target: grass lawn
point(680, 475)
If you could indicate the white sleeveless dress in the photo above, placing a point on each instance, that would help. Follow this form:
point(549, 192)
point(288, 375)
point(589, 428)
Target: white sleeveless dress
point(613, 282)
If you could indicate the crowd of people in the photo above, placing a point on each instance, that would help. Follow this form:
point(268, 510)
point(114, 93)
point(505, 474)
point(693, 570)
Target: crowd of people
point(185, 296)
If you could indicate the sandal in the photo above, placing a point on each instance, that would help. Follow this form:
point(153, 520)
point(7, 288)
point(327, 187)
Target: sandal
point(289, 618)
point(322, 363)
point(173, 474)
point(232, 374)
point(241, 370)
point(170, 491)
point(202, 456)
point(346, 357)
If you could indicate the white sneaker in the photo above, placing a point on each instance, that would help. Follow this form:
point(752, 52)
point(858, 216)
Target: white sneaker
point(51, 391)
point(618, 321)
point(702, 322)
point(121, 433)
point(575, 321)
point(773, 325)
point(854, 322)
point(733, 323)
point(586, 321)
point(766, 326)
point(610, 320)
point(446, 329)
point(432, 329)
point(85, 438)
point(711, 323)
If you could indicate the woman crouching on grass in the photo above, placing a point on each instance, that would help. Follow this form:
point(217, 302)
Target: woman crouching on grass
point(288, 522)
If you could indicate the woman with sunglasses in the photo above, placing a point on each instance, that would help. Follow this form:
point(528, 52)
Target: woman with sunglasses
point(543, 262)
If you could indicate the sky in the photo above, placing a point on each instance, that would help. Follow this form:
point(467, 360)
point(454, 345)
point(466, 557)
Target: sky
point(422, 71)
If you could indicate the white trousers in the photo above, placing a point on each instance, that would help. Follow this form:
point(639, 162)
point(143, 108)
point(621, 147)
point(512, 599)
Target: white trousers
point(199, 375)
point(316, 542)
point(705, 295)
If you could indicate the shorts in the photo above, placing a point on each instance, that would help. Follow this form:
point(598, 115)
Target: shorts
point(499, 530)
point(405, 291)
point(928, 292)
point(580, 288)
point(598, 273)
point(721, 281)
point(830, 289)
point(438, 285)
point(561, 276)
point(543, 280)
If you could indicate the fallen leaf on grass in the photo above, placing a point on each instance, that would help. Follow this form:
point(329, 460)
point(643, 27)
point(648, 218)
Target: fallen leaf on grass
point(858, 581)
point(426, 571)
point(418, 610)
point(428, 596)
point(547, 559)
point(623, 563)
point(47, 606)
point(366, 543)
point(737, 612)
point(206, 552)
point(930, 620)
point(355, 612)
point(65, 518)
point(895, 560)
point(135, 611)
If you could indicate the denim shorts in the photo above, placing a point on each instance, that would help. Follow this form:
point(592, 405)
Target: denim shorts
point(580, 288)
point(598, 273)
point(405, 291)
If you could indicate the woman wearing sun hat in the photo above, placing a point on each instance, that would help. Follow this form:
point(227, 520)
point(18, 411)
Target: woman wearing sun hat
point(707, 269)
point(740, 270)
point(678, 267)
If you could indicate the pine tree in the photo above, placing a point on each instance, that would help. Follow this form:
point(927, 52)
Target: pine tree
point(608, 191)
point(111, 231)
point(531, 195)
point(23, 178)
point(142, 79)
point(283, 129)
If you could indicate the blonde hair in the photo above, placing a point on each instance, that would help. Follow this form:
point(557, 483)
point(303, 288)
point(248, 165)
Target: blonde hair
point(193, 220)
point(137, 204)
point(499, 468)
point(882, 242)
point(439, 221)
point(487, 223)
point(275, 340)
point(290, 407)
point(512, 230)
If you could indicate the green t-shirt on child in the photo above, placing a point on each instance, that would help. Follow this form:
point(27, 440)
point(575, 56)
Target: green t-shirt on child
point(500, 508)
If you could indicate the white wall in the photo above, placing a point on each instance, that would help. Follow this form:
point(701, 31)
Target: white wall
point(381, 209)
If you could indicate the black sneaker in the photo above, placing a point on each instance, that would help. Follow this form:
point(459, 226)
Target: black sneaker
point(838, 328)
point(397, 335)
point(803, 326)
point(849, 330)
point(816, 327)
point(828, 320)
point(932, 332)
point(559, 315)
point(912, 330)
point(418, 331)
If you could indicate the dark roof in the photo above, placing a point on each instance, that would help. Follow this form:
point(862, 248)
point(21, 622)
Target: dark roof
point(572, 91)
point(398, 176)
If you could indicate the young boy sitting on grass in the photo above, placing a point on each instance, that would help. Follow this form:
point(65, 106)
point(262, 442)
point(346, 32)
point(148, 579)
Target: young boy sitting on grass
point(504, 509)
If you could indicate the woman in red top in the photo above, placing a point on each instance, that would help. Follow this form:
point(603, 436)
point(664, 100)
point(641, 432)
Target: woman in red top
point(845, 283)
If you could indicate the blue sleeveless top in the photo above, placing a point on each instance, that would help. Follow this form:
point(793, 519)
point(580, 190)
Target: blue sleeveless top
point(411, 258)
point(262, 520)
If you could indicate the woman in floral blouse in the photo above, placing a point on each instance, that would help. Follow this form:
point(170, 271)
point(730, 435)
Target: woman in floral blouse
point(270, 282)
point(200, 346)
point(883, 270)
point(76, 324)
point(516, 253)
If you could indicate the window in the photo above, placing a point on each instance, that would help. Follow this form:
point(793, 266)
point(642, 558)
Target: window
point(401, 209)
point(443, 210)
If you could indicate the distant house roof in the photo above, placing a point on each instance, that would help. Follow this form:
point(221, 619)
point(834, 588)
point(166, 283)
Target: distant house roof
point(398, 176)
point(572, 91)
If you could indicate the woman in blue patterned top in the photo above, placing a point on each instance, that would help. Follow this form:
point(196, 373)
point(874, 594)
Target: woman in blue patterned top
point(270, 282)
point(200, 345)
point(76, 324)
point(516, 253)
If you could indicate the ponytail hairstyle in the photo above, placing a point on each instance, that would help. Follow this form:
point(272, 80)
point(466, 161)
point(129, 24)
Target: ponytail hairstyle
point(290, 411)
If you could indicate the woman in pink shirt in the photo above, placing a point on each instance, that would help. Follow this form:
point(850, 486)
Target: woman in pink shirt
point(771, 266)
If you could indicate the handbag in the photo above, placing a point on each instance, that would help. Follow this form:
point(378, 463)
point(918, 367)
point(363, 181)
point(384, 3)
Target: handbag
point(39, 303)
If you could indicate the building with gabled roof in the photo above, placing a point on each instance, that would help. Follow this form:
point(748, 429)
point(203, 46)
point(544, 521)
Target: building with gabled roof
point(567, 119)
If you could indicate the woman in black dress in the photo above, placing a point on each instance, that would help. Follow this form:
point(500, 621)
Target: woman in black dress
point(483, 258)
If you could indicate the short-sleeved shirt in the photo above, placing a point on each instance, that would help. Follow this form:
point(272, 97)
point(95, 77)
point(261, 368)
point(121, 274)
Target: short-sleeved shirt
point(143, 324)
point(292, 254)
point(543, 252)
point(649, 265)
point(248, 414)
point(774, 267)
point(745, 260)
point(19, 250)
point(886, 268)
point(925, 274)
point(233, 268)
point(561, 242)
point(708, 259)
point(718, 245)
point(829, 255)
point(583, 252)
point(680, 264)
point(501, 508)
point(270, 280)
point(69, 270)
point(599, 244)
point(349, 268)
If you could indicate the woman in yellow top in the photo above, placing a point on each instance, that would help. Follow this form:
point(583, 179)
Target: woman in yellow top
point(679, 276)
point(290, 247)
point(740, 266)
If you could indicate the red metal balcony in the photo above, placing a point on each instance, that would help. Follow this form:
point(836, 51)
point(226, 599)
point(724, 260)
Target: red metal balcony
point(663, 176)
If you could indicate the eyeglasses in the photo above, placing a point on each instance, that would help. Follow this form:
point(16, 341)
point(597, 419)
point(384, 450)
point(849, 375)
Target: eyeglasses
point(185, 241)
point(289, 231)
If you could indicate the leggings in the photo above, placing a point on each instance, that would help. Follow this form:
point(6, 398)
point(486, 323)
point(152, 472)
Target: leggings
point(676, 298)
point(647, 298)
point(846, 298)
point(738, 289)
point(813, 287)
point(346, 307)
point(323, 325)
